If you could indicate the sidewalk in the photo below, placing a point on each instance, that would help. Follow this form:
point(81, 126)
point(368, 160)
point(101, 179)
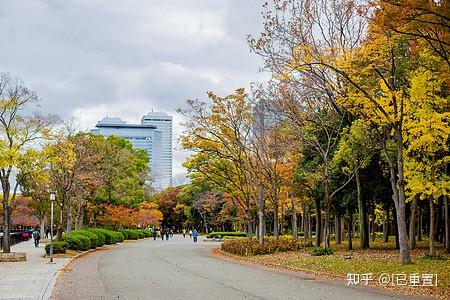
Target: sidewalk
point(32, 279)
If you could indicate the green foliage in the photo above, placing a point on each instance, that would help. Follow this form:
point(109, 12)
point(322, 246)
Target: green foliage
point(77, 242)
point(96, 241)
point(125, 234)
point(119, 236)
point(322, 251)
point(109, 236)
point(216, 234)
point(252, 247)
point(147, 233)
point(58, 247)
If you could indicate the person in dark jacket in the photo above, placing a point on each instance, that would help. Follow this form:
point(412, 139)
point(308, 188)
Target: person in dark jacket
point(36, 237)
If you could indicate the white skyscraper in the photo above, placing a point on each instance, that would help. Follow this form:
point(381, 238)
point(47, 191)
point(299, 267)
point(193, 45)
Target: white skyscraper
point(163, 123)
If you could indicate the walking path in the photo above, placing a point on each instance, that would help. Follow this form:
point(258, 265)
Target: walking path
point(31, 279)
point(181, 269)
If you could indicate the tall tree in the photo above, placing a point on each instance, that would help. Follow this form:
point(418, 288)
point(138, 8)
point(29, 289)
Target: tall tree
point(18, 130)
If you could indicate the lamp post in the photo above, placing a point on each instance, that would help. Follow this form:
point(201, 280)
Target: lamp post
point(52, 201)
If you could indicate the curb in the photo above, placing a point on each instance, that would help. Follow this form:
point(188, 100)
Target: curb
point(51, 283)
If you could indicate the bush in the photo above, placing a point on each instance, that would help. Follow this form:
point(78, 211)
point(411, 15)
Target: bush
point(77, 242)
point(132, 234)
point(119, 236)
point(147, 233)
point(95, 239)
point(58, 247)
point(252, 247)
point(322, 251)
point(125, 234)
point(216, 234)
point(110, 237)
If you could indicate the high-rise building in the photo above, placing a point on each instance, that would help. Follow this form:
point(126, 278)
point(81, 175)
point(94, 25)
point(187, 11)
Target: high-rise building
point(142, 136)
point(163, 123)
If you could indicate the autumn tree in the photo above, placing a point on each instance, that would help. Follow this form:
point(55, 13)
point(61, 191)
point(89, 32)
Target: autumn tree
point(18, 131)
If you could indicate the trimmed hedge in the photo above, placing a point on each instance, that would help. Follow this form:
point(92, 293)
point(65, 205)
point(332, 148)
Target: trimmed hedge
point(147, 233)
point(95, 239)
point(132, 234)
point(77, 242)
point(58, 247)
point(125, 234)
point(215, 234)
point(110, 237)
point(119, 236)
point(252, 247)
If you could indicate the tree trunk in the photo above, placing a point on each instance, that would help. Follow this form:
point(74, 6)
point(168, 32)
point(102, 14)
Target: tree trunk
point(386, 226)
point(362, 211)
point(397, 241)
point(69, 218)
point(261, 220)
point(337, 225)
point(350, 226)
point(42, 227)
point(61, 223)
point(318, 223)
point(431, 234)
point(275, 218)
point(412, 223)
point(419, 224)
point(306, 227)
point(373, 227)
point(447, 225)
point(327, 214)
point(249, 228)
point(405, 253)
point(6, 246)
point(294, 219)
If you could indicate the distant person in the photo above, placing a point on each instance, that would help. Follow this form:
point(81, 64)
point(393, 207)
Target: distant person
point(26, 236)
point(36, 237)
point(171, 233)
point(154, 233)
point(190, 233)
point(184, 233)
point(195, 235)
point(163, 233)
point(167, 234)
point(47, 232)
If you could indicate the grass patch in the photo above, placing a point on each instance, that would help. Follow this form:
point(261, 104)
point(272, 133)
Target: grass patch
point(380, 258)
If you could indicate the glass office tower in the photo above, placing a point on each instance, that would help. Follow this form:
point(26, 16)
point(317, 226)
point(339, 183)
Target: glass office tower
point(163, 123)
point(142, 136)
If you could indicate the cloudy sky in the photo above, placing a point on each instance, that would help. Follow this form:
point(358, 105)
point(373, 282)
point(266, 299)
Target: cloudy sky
point(88, 59)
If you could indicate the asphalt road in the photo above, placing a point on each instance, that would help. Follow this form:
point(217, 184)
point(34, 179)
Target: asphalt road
point(180, 269)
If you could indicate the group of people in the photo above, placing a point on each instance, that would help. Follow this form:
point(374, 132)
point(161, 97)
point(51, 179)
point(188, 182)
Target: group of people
point(36, 235)
point(192, 234)
point(162, 232)
point(167, 233)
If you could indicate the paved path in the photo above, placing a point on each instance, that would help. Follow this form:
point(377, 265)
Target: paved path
point(180, 269)
point(31, 279)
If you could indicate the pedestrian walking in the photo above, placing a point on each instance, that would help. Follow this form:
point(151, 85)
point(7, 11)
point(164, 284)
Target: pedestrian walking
point(195, 235)
point(190, 233)
point(167, 234)
point(47, 232)
point(184, 233)
point(154, 233)
point(36, 237)
point(163, 233)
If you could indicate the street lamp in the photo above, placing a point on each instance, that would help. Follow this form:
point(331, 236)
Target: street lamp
point(52, 201)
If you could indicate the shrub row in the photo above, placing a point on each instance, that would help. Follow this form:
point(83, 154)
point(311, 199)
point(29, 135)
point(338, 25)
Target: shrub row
point(90, 238)
point(252, 247)
point(58, 247)
point(215, 234)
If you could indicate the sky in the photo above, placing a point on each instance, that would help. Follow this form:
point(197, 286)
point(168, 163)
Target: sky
point(88, 59)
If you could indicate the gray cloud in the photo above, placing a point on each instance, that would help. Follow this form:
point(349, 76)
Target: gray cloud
point(92, 58)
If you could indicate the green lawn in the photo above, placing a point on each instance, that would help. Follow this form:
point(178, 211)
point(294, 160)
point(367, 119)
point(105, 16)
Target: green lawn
point(381, 258)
